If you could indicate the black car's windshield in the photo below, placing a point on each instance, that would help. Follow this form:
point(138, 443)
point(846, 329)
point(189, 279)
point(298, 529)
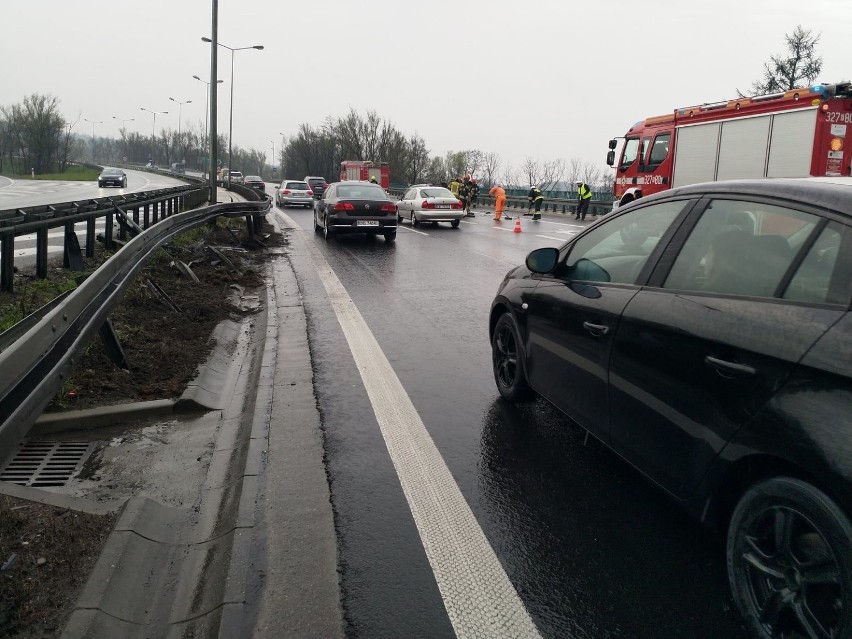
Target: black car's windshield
point(111, 172)
point(361, 191)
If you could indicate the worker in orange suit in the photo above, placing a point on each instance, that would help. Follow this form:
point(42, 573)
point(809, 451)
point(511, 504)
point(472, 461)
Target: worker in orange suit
point(499, 196)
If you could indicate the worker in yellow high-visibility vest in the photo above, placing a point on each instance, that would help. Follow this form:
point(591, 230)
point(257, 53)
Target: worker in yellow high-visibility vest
point(584, 193)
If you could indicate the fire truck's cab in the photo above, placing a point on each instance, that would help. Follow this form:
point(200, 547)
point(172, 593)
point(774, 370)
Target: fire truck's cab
point(795, 133)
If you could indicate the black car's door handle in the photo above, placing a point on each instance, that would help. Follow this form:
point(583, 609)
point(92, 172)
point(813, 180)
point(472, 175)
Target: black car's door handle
point(597, 330)
point(730, 369)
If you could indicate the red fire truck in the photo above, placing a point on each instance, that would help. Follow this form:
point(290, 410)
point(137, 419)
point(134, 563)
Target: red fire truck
point(364, 170)
point(796, 133)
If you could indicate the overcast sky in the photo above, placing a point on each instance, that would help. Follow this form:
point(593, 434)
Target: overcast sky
point(544, 79)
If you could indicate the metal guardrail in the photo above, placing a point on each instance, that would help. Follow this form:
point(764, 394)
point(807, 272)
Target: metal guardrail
point(566, 206)
point(146, 207)
point(35, 365)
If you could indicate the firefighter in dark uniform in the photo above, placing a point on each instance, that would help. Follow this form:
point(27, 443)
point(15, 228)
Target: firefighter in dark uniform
point(584, 195)
point(465, 195)
point(536, 197)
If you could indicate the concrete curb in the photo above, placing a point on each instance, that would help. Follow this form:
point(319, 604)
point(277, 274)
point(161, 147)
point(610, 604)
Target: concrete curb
point(162, 571)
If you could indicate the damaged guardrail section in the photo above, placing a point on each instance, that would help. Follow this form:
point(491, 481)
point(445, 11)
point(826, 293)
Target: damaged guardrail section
point(34, 366)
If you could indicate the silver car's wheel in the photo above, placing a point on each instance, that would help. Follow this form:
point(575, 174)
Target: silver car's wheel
point(414, 220)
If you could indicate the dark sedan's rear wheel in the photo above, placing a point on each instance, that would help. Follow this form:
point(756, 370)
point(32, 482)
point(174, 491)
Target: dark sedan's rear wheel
point(390, 236)
point(327, 231)
point(790, 561)
point(507, 361)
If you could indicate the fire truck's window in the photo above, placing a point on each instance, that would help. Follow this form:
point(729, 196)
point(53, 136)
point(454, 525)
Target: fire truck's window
point(631, 147)
point(646, 142)
point(660, 150)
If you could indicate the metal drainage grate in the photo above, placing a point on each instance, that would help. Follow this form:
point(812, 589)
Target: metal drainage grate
point(44, 463)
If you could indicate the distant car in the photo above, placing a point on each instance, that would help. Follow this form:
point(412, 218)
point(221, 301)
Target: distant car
point(705, 335)
point(178, 167)
point(294, 193)
point(112, 177)
point(426, 203)
point(317, 184)
point(236, 177)
point(151, 165)
point(255, 182)
point(355, 207)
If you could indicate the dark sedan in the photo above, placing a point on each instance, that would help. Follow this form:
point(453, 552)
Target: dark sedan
point(705, 335)
point(355, 207)
point(112, 177)
point(255, 182)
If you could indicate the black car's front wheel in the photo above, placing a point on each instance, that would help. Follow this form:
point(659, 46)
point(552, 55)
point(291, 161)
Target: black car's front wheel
point(507, 361)
point(789, 555)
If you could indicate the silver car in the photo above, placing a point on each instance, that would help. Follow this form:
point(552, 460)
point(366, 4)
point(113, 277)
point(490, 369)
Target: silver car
point(294, 193)
point(426, 203)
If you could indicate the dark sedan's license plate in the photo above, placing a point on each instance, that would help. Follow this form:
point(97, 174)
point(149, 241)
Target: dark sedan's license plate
point(367, 223)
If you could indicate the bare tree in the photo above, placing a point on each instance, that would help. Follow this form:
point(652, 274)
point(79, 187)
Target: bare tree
point(532, 171)
point(800, 66)
point(491, 163)
point(552, 172)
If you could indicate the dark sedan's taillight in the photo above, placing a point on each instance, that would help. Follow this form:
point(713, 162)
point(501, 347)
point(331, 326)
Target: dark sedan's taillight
point(390, 207)
point(343, 206)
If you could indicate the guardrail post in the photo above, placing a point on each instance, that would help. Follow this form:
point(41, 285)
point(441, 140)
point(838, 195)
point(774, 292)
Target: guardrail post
point(136, 215)
point(108, 231)
point(41, 253)
point(7, 261)
point(146, 215)
point(90, 237)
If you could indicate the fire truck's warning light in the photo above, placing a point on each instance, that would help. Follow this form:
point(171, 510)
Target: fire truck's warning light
point(819, 88)
point(836, 144)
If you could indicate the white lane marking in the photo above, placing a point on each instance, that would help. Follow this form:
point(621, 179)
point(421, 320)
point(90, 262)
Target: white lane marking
point(547, 237)
point(400, 226)
point(478, 596)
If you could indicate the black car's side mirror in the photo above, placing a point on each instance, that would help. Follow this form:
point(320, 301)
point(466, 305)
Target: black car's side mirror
point(543, 260)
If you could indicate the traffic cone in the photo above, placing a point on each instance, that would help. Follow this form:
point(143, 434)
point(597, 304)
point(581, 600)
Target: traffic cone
point(517, 225)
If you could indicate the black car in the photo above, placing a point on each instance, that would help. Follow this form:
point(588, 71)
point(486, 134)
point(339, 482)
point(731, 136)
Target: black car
point(355, 207)
point(255, 182)
point(317, 184)
point(705, 335)
point(112, 177)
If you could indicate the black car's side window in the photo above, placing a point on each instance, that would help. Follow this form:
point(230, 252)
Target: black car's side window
point(812, 281)
point(617, 250)
point(740, 248)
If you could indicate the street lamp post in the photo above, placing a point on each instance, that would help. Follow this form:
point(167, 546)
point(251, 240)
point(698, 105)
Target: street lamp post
point(259, 47)
point(272, 163)
point(281, 164)
point(206, 116)
point(180, 107)
point(154, 127)
point(123, 120)
point(93, 123)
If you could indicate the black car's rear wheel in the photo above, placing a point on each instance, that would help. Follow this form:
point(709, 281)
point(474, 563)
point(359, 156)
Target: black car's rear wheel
point(390, 236)
point(789, 558)
point(327, 231)
point(507, 361)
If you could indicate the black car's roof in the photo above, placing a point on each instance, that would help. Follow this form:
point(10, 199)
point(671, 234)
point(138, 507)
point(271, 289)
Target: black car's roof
point(828, 193)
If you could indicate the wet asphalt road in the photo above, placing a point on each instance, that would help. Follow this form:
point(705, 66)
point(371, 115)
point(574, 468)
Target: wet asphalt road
point(592, 549)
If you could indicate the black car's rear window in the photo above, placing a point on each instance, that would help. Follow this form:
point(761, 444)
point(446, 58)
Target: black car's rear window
point(315, 182)
point(361, 191)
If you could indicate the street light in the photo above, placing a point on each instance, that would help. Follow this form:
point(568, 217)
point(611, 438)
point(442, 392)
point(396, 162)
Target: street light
point(93, 123)
point(180, 107)
point(272, 164)
point(123, 120)
point(206, 116)
point(154, 127)
point(281, 167)
point(259, 47)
